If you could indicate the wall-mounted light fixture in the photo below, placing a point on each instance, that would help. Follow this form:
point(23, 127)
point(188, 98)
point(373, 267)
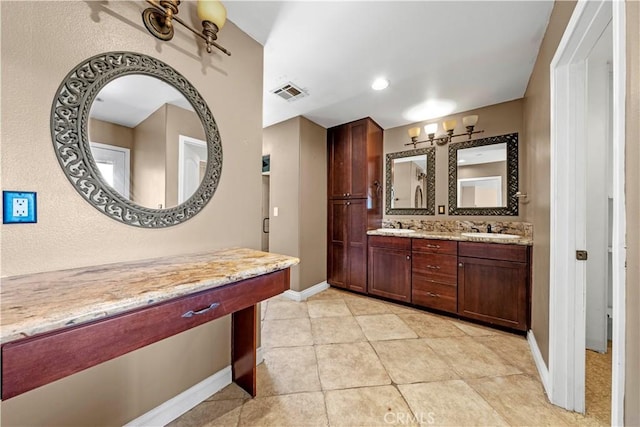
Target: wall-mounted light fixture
point(469, 123)
point(159, 20)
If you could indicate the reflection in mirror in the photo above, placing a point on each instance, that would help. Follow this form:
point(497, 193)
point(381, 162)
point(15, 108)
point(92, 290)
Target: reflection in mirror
point(483, 176)
point(411, 182)
point(147, 141)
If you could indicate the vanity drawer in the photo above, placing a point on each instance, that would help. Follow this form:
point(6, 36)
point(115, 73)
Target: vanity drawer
point(435, 295)
point(390, 242)
point(435, 246)
point(54, 355)
point(498, 251)
point(441, 268)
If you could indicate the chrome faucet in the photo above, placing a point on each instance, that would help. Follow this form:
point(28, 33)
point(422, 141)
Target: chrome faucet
point(476, 229)
point(399, 224)
point(489, 228)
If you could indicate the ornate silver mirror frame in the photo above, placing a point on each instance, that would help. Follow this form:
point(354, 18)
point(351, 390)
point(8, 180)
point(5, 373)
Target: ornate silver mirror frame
point(69, 132)
point(511, 208)
point(430, 152)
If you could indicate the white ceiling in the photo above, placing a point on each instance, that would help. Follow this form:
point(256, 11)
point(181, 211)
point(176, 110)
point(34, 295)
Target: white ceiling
point(130, 99)
point(440, 57)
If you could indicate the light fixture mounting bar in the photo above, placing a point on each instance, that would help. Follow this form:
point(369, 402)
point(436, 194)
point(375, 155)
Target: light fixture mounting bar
point(158, 21)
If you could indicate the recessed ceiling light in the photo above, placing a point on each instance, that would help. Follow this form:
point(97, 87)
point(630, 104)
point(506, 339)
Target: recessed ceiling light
point(380, 83)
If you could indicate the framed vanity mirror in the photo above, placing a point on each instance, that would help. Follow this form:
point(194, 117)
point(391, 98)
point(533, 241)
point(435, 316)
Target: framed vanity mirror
point(410, 182)
point(483, 176)
point(136, 139)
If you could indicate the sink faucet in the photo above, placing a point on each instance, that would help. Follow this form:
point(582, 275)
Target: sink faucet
point(489, 228)
point(399, 224)
point(475, 229)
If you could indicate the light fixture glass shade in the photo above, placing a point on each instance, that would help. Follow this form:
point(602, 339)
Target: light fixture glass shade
point(470, 120)
point(431, 128)
point(414, 132)
point(212, 11)
point(448, 125)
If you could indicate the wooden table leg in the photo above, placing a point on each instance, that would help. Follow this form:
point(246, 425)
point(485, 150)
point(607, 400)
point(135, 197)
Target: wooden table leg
point(243, 348)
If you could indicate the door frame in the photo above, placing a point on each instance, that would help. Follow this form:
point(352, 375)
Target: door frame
point(183, 141)
point(566, 386)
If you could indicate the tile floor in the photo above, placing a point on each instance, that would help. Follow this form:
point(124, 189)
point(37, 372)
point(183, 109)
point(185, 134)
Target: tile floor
point(340, 359)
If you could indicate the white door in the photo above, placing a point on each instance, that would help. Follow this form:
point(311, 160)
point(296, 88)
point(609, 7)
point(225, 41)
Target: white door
point(597, 183)
point(113, 164)
point(192, 161)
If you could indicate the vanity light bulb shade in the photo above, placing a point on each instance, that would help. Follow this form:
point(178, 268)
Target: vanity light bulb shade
point(470, 120)
point(431, 128)
point(448, 125)
point(414, 132)
point(212, 11)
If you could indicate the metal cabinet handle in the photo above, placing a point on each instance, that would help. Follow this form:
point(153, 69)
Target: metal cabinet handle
point(192, 313)
point(265, 225)
point(434, 267)
point(431, 294)
point(433, 246)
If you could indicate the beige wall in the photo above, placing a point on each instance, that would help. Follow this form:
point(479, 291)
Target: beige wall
point(538, 168)
point(313, 204)
point(148, 171)
point(486, 169)
point(495, 120)
point(298, 187)
point(41, 43)
point(632, 194)
point(110, 133)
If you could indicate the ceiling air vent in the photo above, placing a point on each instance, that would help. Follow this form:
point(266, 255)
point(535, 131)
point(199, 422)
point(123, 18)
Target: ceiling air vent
point(289, 92)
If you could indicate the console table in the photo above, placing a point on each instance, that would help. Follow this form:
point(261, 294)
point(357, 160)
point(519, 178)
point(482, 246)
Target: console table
point(55, 324)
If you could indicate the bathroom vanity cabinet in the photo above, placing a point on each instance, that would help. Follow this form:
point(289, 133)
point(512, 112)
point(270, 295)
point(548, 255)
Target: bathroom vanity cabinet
point(493, 283)
point(390, 267)
point(355, 200)
point(434, 274)
point(489, 282)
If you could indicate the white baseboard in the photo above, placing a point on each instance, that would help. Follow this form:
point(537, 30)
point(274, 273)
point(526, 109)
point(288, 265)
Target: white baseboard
point(543, 371)
point(303, 295)
point(173, 408)
point(188, 399)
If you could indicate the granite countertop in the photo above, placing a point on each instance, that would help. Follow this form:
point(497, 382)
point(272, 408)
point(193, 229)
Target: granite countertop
point(453, 235)
point(42, 302)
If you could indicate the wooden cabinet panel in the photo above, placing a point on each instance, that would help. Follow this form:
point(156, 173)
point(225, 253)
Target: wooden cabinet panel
point(355, 200)
point(35, 361)
point(434, 295)
point(442, 268)
point(339, 162)
point(517, 253)
point(495, 291)
point(390, 242)
point(435, 246)
point(389, 268)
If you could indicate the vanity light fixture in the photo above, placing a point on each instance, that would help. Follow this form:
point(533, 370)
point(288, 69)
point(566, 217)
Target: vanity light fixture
point(469, 123)
point(159, 20)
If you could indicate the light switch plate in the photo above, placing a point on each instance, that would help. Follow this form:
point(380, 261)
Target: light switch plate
point(19, 207)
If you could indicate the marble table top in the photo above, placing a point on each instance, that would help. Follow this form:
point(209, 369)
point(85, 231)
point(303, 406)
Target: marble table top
point(36, 303)
point(453, 235)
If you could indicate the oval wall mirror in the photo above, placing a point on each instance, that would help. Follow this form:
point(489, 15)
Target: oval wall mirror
point(136, 139)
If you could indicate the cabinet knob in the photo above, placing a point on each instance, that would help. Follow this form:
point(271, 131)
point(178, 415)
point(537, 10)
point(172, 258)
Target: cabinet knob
point(348, 203)
point(344, 194)
point(461, 265)
point(408, 256)
point(348, 194)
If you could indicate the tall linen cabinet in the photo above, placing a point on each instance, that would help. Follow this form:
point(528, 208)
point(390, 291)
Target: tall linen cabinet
point(355, 200)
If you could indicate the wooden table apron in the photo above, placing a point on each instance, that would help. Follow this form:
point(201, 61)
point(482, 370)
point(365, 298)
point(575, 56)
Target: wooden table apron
point(32, 362)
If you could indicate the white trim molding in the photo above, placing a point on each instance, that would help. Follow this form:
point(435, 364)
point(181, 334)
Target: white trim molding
point(185, 401)
point(543, 371)
point(303, 295)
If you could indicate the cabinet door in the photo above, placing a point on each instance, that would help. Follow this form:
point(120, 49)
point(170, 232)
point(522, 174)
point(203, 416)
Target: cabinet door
point(390, 273)
point(358, 172)
point(493, 291)
point(337, 245)
point(357, 245)
point(339, 162)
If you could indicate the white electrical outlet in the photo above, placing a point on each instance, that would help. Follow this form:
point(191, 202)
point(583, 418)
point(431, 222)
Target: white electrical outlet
point(20, 207)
